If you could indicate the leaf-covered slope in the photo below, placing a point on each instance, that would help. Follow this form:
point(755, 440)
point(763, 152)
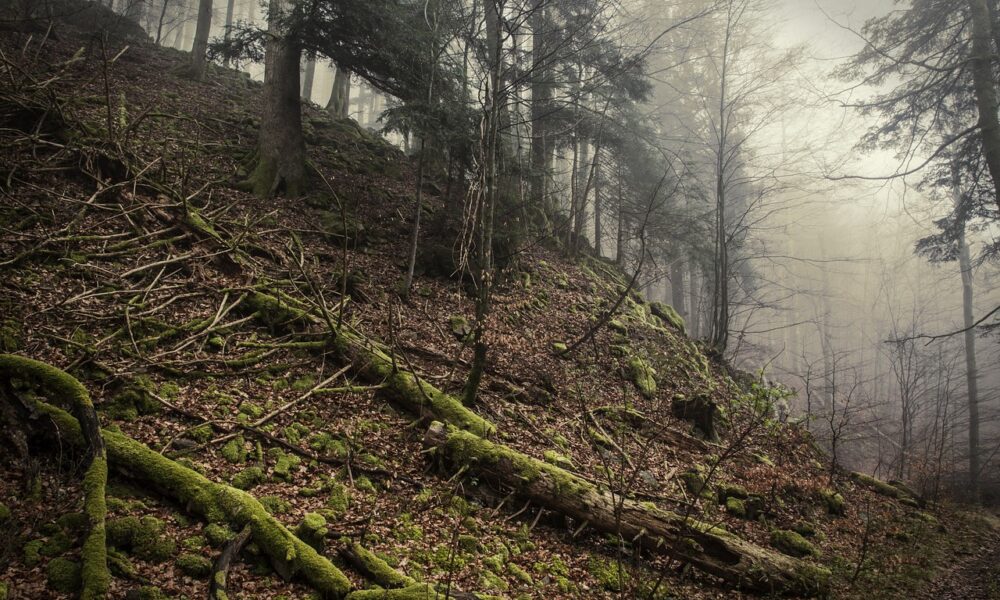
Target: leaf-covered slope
point(128, 258)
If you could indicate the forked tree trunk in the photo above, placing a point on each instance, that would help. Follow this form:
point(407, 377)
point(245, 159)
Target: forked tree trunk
point(281, 147)
point(708, 548)
point(199, 51)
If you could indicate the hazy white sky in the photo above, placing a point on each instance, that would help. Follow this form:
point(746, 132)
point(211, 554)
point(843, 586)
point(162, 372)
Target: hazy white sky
point(820, 23)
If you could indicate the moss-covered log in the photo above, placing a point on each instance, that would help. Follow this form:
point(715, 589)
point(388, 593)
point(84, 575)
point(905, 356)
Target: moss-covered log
point(64, 388)
point(708, 548)
point(218, 503)
point(373, 364)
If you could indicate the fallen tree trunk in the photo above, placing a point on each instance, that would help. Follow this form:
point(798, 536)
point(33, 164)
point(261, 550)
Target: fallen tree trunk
point(216, 502)
point(53, 382)
point(372, 363)
point(708, 548)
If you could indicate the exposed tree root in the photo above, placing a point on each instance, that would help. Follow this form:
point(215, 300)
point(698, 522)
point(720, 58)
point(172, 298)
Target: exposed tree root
point(217, 502)
point(220, 570)
point(708, 548)
point(392, 583)
point(58, 384)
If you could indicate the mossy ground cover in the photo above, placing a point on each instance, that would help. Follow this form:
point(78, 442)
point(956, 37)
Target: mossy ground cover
point(66, 313)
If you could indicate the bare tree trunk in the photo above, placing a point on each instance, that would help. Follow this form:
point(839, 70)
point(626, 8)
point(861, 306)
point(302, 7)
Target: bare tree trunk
point(541, 92)
point(985, 87)
point(163, 16)
point(677, 287)
point(622, 223)
point(694, 319)
point(582, 192)
point(487, 199)
point(229, 28)
point(340, 96)
point(281, 147)
point(307, 80)
point(971, 374)
point(598, 229)
point(199, 58)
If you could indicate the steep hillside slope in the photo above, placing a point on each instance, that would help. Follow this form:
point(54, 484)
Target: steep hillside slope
point(222, 345)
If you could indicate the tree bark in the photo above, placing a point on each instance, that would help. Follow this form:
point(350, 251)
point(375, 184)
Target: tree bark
point(340, 95)
point(281, 147)
point(307, 80)
point(541, 93)
point(709, 549)
point(971, 372)
point(199, 57)
point(985, 89)
point(677, 287)
point(230, 6)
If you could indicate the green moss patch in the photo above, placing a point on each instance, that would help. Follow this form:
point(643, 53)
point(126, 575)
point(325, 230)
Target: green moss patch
point(792, 544)
point(643, 376)
point(142, 536)
point(64, 575)
point(194, 565)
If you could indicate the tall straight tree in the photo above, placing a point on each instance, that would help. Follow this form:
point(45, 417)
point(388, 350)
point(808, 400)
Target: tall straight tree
point(985, 86)
point(230, 6)
point(199, 51)
point(281, 148)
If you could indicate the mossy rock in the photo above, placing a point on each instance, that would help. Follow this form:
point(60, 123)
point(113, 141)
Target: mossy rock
point(142, 536)
point(806, 529)
point(31, 552)
point(885, 489)
point(147, 592)
point(643, 376)
point(694, 482)
point(194, 565)
point(64, 575)
point(833, 501)
point(731, 490)
point(736, 507)
point(194, 542)
point(460, 327)
point(5, 513)
point(558, 347)
point(793, 544)
point(618, 327)
point(235, 450)
point(275, 505)
point(285, 464)
point(249, 478)
point(611, 575)
point(667, 314)
point(133, 400)
point(313, 530)
point(554, 458)
point(339, 500)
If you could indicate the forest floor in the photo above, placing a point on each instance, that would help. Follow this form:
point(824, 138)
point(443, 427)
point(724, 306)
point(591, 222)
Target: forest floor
point(973, 572)
point(129, 257)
